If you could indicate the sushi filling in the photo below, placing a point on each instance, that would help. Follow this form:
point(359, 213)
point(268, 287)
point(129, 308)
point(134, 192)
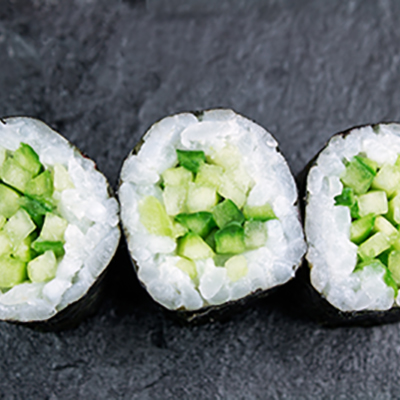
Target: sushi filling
point(31, 228)
point(354, 195)
point(208, 207)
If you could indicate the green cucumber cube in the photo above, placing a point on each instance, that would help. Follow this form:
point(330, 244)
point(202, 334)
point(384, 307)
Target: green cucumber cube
point(221, 259)
point(354, 211)
point(28, 159)
point(387, 179)
point(357, 176)
point(61, 179)
point(240, 178)
point(43, 268)
point(346, 198)
point(228, 157)
point(367, 162)
point(229, 190)
point(372, 202)
point(227, 212)
point(53, 229)
point(230, 240)
point(259, 213)
point(40, 187)
point(154, 217)
point(19, 227)
point(395, 243)
point(23, 251)
point(192, 246)
point(191, 160)
point(40, 247)
point(236, 268)
point(179, 176)
point(201, 198)
point(187, 266)
point(373, 246)
point(5, 244)
point(384, 226)
point(14, 175)
point(393, 214)
point(174, 199)
point(9, 201)
point(12, 272)
point(200, 223)
point(178, 230)
point(210, 239)
point(36, 209)
point(209, 175)
point(389, 280)
point(255, 234)
point(394, 265)
point(360, 229)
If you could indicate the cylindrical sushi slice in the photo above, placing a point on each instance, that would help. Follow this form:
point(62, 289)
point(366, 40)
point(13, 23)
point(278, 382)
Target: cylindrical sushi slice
point(58, 227)
point(352, 219)
point(209, 209)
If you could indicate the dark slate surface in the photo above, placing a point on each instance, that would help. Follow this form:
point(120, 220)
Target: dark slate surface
point(101, 72)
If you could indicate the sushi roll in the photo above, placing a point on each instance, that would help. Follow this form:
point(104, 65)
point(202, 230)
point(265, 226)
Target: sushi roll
point(58, 227)
point(352, 222)
point(210, 214)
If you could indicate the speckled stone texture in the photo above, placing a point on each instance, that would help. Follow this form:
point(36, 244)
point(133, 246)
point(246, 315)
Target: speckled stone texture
point(101, 72)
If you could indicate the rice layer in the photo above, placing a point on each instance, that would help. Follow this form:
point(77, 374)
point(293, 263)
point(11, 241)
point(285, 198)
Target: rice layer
point(331, 254)
point(91, 237)
point(156, 257)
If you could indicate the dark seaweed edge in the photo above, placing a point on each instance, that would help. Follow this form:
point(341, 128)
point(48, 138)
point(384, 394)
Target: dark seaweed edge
point(226, 310)
point(74, 313)
point(314, 303)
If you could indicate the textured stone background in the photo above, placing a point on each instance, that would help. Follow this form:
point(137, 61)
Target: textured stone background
point(101, 72)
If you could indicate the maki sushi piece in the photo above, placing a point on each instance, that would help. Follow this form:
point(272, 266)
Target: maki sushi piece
point(58, 227)
point(352, 226)
point(209, 210)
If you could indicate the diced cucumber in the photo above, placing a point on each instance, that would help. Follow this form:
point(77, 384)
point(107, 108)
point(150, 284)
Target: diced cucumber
point(19, 227)
point(62, 180)
point(236, 268)
point(9, 201)
point(191, 160)
point(384, 226)
point(354, 211)
point(388, 279)
point(209, 175)
point(357, 176)
point(179, 176)
point(373, 246)
point(200, 223)
point(368, 163)
point(393, 214)
point(228, 157)
point(178, 230)
point(14, 175)
point(187, 266)
point(394, 265)
point(361, 228)
point(210, 239)
point(36, 209)
point(346, 198)
point(43, 268)
point(221, 259)
point(259, 213)
point(23, 251)
point(42, 246)
point(229, 190)
point(28, 159)
point(372, 202)
point(192, 246)
point(230, 240)
point(53, 229)
point(154, 217)
point(174, 199)
point(12, 272)
point(5, 244)
point(40, 187)
point(387, 179)
point(395, 243)
point(227, 212)
point(255, 234)
point(3, 221)
point(240, 178)
point(201, 198)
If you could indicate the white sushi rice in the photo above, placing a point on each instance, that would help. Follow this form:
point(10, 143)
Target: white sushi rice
point(155, 256)
point(331, 254)
point(91, 237)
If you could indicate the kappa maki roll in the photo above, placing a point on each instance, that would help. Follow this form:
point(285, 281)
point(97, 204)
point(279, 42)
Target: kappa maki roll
point(352, 226)
point(58, 226)
point(209, 209)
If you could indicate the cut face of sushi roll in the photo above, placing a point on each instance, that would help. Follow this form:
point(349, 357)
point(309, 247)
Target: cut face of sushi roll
point(353, 220)
point(58, 222)
point(209, 209)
